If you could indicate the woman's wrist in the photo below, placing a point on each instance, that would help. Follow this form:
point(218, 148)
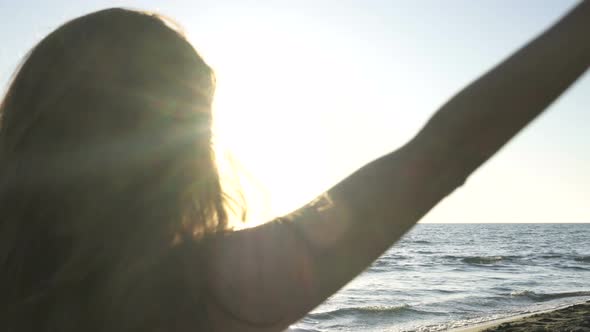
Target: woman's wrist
point(578, 20)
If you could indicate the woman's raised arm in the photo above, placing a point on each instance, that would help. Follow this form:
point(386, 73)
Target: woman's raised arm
point(265, 278)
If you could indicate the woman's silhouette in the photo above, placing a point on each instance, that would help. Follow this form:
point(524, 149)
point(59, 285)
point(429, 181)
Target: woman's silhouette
point(112, 217)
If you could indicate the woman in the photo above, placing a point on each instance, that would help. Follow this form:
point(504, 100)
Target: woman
point(112, 216)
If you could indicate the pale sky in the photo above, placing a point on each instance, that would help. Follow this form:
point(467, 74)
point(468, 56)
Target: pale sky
point(310, 90)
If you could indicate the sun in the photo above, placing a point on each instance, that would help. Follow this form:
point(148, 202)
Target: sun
point(288, 111)
point(269, 132)
point(268, 150)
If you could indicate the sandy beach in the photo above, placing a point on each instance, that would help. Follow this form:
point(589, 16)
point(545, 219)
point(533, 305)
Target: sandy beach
point(575, 318)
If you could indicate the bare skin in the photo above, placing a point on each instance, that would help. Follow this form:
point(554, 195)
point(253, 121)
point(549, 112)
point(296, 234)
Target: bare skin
point(268, 277)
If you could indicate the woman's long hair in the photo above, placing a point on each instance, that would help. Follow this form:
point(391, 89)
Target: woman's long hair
point(107, 178)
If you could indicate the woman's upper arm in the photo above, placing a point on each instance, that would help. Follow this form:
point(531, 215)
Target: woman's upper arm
point(269, 276)
point(257, 278)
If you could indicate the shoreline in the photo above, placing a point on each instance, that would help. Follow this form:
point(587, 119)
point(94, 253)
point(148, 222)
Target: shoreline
point(574, 317)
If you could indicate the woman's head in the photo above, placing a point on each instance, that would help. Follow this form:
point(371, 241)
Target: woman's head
point(105, 155)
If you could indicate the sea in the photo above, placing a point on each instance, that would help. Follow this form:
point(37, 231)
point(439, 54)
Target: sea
point(439, 277)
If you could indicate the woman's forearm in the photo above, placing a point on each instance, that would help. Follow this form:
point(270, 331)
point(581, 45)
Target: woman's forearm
point(385, 198)
point(480, 119)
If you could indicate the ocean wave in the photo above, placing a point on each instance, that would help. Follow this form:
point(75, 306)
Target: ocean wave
point(577, 268)
point(394, 257)
point(582, 258)
point(365, 311)
point(486, 259)
point(528, 259)
point(549, 256)
point(381, 262)
point(585, 259)
point(377, 269)
point(424, 252)
point(380, 265)
point(547, 296)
